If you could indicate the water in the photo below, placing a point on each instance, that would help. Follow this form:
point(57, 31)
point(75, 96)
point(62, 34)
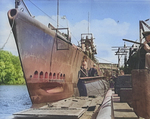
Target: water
point(13, 98)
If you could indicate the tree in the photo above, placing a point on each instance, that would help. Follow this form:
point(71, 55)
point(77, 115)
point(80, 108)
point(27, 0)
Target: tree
point(10, 69)
point(2, 71)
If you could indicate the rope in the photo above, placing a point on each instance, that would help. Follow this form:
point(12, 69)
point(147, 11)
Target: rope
point(105, 60)
point(8, 36)
point(75, 39)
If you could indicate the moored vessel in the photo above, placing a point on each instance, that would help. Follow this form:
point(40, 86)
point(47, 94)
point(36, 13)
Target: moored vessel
point(52, 65)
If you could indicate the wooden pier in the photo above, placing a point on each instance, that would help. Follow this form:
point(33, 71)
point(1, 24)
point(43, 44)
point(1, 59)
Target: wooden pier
point(71, 108)
point(83, 108)
point(122, 110)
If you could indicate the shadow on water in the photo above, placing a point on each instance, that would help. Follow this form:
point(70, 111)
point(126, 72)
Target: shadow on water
point(13, 98)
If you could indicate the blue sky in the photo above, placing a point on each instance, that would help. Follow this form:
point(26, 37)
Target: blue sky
point(110, 21)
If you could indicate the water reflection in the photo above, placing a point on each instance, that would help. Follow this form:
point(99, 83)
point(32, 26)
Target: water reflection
point(13, 98)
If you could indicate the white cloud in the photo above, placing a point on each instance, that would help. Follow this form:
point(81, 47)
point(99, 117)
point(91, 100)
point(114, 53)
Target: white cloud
point(53, 20)
point(45, 20)
point(5, 28)
point(106, 31)
point(110, 27)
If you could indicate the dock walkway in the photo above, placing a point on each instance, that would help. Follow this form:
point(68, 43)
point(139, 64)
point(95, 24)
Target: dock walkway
point(70, 108)
point(121, 110)
point(83, 108)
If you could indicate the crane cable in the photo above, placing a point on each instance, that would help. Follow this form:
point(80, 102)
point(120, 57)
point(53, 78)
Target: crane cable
point(43, 11)
point(50, 18)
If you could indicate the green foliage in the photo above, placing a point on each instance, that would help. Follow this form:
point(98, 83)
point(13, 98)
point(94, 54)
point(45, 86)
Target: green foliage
point(10, 69)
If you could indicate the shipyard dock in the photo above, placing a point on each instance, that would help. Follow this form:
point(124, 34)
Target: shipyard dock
point(122, 110)
point(109, 107)
point(70, 108)
point(113, 103)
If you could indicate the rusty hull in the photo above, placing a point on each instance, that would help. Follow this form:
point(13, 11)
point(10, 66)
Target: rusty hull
point(51, 74)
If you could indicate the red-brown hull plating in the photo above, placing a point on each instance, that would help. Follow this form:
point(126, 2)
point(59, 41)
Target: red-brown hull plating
point(46, 92)
point(50, 64)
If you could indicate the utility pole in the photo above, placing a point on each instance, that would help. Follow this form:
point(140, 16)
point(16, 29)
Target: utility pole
point(120, 51)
